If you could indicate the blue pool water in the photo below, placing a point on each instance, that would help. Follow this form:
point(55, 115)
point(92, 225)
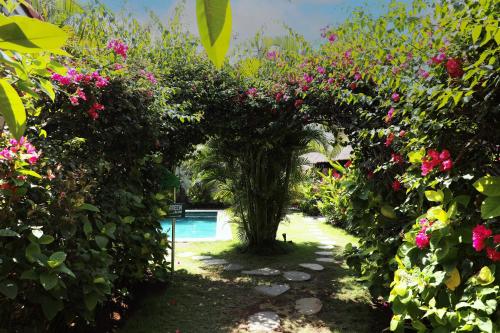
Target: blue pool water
point(194, 225)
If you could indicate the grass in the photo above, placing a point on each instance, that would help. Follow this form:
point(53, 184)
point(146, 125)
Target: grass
point(212, 300)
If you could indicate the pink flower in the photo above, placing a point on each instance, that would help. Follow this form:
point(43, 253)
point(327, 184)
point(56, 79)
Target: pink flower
point(6, 154)
point(389, 57)
point(93, 114)
point(395, 97)
point(330, 81)
point(74, 100)
point(422, 240)
point(426, 167)
point(492, 254)
point(390, 115)
point(81, 94)
point(64, 80)
point(445, 154)
point(336, 175)
point(151, 78)
point(402, 133)
point(479, 234)
point(101, 82)
point(308, 78)
point(423, 221)
point(117, 67)
point(348, 163)
point(357, 76)
point(454, 68)
point(423, 73)
point(348, 54)
point(97, 106)
point(396, 185)
point(252, 92)
point(446, 165)
point(271, 55)
point(321, 70)
point(33, 159)
point(119, 48)
point(436, 60)
point(332, 38)
point(278, 97)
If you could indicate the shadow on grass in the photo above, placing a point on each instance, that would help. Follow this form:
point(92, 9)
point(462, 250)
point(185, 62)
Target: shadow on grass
point(220, 301)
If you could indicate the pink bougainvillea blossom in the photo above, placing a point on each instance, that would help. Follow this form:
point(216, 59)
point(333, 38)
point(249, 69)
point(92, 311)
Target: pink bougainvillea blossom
point(390, 115)
point(357, 76)
point(422, 240)
point(272, 55)
point(278, 97)
point(321, 70)
point(74, 100)
point(492, 254)
point(395, 97)
point(308, 78)
point(151, 78)
point(434, 159)
point(81, 94)
point(423, 73)
point(332, 37)
point(436, 60)
point(117, 67)
point(252, 92)
point(118, 47)
point(330, 81)
point(479, 234)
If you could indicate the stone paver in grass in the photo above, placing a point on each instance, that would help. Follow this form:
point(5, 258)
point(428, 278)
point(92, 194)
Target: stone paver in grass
point(233, 267)
point(326, 247)
point(212, 262)
point(325, 259)
point(327, 242)
point(272, 290)
point(308, 306)
point(265, 321)
point(311, 266)
point(324, 253)
point(201, 257)
point(185, 254)
point(266, 271)
point(296, 276)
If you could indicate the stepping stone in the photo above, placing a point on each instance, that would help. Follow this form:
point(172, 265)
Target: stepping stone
point(326, 247)
point(327, 243)
point(324, 253)
point(324, 259)
point(185, 254)
point(308, 306)
point(296, 276)
point(272, 290)
point(266, 271)
point(212, 262)
point(265, 321)
point(314, 267)
point(201, 257)
point(233, 267)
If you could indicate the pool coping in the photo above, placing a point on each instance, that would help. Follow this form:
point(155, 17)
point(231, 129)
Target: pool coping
point(222, 229)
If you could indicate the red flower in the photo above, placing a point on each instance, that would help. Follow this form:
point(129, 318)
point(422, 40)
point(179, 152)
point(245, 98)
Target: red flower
point(479, 234)
point(446, 165)
point(493, 254)
point(348, 163)
point(402, 133)
point(396, 185)
point(454, 68)
point(389, 140)
point(397, 158)
point(278, 97)
point(445, 154)
point(353, 85)
point(298, 103)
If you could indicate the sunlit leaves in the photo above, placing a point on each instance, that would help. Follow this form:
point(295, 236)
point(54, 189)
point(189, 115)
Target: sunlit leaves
point(214, 25)
point(12, 108)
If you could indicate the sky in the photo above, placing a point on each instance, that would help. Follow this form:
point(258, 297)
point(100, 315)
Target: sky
point(305, 16)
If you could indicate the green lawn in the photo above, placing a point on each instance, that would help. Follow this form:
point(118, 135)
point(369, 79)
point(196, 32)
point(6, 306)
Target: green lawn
point(211, 300)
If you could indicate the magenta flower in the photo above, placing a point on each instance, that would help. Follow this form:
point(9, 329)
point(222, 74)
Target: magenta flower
point(151, 78)
point(330, 81)
point(389, 57)
point(74, 100)
point(492, 254)
point(397, 158)
point(395, 97)
point(390, 115)
point(332, 38)
point(357, 76)
point(271, 55)
point(389, 139)
point(479, 234)
point(81, 94)
point(396, 185)
point(308, 78)
point(321, 70)
point(422, 240)
point(423, 73)
point(118, 47)
point(252, 92)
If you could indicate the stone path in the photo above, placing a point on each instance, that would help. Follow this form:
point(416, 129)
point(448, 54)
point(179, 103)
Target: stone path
point(269, 321)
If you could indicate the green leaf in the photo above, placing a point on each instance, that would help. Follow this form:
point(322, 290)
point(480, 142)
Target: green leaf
point(214, 25)
point(485, 277)
point(64, 269)
point(8, 289)
point(47, 88)
point(87, 228)
point(395, 322)
point(436, 196)
point(45, 239)
point(90, 301)
point(416, 156)
point(28, 35)
point(89, 207)
point(56, 259)
point(437, 213)
point(490, 208)
point(32, 250)
point(489, 186)
point(476, 32)
point(8, 233)
point(48, 280)
point(29, 173)
point(101, 241)
point(388, 211)
point(51, 307)
point(12, 108)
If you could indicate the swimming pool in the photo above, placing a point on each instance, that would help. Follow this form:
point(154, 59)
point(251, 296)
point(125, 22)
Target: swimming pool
point(199, 225)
